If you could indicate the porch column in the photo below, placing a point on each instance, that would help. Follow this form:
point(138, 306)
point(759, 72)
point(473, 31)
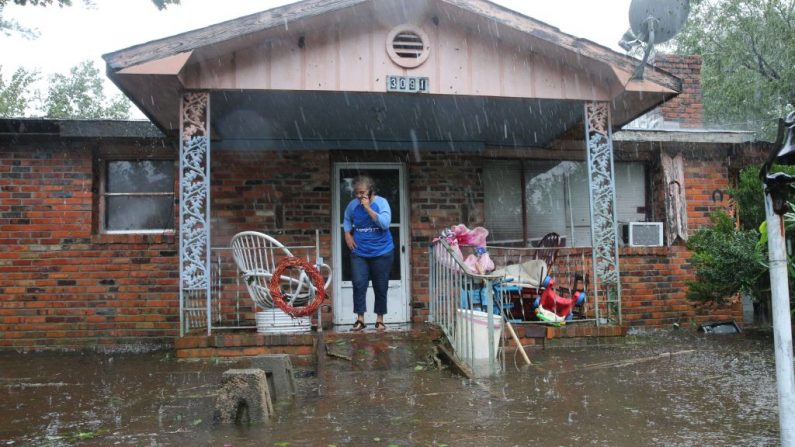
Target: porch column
point(604, 229)
point(194, 212)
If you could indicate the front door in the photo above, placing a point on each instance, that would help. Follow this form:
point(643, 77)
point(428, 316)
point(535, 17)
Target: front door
point(391, 184)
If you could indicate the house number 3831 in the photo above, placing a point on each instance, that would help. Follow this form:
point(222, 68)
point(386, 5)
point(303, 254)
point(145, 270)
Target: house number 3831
point(406, 84)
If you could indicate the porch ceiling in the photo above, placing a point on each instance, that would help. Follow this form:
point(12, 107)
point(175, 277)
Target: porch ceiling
point(245, 119)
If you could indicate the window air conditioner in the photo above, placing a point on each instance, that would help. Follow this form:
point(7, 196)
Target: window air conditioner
point(643, 234)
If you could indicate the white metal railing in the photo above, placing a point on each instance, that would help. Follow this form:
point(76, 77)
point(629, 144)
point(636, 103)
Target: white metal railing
point(229, 304)
point(466, 307)
point(458, 297)
point(572, 269)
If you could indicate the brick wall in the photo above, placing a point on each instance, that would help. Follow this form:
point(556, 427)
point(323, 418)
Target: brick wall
point(445, 190)
point(686, 109)
point(61, 285)
point(286, 195)
point(654, 279)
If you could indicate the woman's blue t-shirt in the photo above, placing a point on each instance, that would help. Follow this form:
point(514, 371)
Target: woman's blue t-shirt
point(372, 238)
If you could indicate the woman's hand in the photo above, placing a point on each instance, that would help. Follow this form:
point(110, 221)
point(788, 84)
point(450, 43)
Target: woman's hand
point(365, 201)
point(349, 241)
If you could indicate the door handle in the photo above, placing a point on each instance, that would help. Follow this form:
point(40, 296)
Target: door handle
point(403, 249)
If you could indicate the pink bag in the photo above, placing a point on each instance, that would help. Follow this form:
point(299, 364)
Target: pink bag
point(476, 236)
point(445, 258)
point(479, 264)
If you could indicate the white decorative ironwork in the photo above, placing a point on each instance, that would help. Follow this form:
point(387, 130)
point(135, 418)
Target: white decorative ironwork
point(193, 202)
point(601, 181)
point(194, 210)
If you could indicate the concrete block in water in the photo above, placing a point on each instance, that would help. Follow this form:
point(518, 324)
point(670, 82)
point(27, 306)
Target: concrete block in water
point(279, 370)
point(243, 398)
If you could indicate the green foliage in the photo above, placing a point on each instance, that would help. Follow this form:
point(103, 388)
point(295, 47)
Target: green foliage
point(161, 4)
point(749, 195)
point(10, 26)
point(37, 2)
point(749, 198)
point(16, 95)
point(80, 95)
point(726, 262)
point(76, 95)
point(748, 46)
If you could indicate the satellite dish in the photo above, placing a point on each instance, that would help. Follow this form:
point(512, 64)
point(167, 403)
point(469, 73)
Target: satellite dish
point(661, 19)
point(652, 22)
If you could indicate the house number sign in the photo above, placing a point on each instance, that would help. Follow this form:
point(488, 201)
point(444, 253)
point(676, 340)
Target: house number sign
point(406, 84)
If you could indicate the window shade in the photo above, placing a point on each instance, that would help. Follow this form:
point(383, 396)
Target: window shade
point(545, 194)
point(503, 200)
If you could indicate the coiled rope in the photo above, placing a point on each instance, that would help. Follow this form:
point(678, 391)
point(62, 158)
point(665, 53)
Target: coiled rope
point(314, 275)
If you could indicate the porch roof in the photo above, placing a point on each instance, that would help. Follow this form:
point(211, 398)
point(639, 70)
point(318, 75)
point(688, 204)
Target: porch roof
point(14, 128)
point(516, 80)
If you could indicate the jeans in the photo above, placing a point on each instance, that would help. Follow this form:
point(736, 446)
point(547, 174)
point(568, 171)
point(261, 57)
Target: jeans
point(376, 269)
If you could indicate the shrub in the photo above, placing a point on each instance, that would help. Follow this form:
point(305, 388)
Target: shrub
point(727, 261)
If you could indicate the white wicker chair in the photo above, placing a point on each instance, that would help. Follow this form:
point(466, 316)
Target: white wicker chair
point(257, 255)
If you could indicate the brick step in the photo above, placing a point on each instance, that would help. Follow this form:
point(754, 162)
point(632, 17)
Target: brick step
point(241, 339)
point(538, 335)
point(301, 347)
point(408, 340)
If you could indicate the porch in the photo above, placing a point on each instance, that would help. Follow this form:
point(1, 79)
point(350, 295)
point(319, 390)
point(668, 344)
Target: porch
point(232, 329)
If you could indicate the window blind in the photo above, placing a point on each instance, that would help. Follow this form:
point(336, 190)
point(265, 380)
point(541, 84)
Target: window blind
point(503, 200)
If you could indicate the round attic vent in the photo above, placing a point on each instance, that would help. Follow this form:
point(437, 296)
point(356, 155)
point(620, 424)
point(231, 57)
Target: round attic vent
point(407, 46)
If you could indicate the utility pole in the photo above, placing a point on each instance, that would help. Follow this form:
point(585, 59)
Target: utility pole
point(777, 188)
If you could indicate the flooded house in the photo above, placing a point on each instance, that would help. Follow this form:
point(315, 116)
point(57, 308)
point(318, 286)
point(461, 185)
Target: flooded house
point(118, 233)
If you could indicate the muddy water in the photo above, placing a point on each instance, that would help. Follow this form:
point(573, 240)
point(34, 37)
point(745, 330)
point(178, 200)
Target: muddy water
point(675, 389)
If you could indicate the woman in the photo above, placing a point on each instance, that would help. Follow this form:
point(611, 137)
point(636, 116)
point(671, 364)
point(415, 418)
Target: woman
point(366, 224)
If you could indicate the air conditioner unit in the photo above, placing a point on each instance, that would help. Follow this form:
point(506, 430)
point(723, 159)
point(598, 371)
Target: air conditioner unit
point(643, 234)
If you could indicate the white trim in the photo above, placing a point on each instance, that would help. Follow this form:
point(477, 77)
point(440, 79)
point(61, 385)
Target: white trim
point(400, 246)
point(103, 195)
point(163, 231)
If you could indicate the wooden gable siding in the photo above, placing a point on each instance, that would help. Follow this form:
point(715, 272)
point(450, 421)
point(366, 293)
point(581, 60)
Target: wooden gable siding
point(353, 57)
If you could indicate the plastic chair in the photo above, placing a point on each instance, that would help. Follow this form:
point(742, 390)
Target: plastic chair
point(548, 249)
point(257, 255)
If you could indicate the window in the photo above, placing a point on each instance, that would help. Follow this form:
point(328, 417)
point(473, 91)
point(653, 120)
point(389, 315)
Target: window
point(524, 200)
point(137, 196)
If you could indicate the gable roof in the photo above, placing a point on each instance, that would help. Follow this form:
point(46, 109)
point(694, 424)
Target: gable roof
point(152, 74)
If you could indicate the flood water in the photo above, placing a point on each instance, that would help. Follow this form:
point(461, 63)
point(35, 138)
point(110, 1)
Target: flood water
point(661, 389)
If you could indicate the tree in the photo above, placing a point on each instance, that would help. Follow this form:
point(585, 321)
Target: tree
point(161, 4)
point(10, 26)
point(80, 95)
point(748, 73)
point(16, 95)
